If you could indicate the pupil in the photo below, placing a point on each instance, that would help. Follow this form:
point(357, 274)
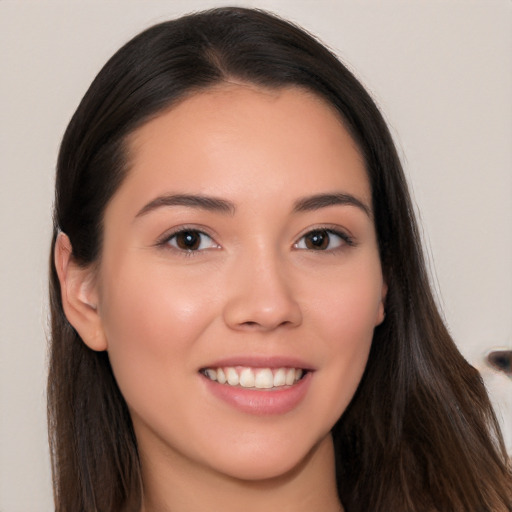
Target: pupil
point(317, 240)
point(188, 240)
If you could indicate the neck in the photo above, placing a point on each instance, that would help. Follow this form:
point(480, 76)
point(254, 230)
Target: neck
point(311, 486)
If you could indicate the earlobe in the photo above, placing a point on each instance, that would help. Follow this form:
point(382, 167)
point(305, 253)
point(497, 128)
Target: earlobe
point(79, 295)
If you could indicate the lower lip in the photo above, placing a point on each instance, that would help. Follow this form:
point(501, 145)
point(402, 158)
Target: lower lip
point(261, 402)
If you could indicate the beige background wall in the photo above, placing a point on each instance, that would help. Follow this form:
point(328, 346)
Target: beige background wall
point(441, 71)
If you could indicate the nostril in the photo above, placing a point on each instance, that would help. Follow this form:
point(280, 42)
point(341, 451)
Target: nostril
point(250, 324)
point(261, 309)
point(265, 325)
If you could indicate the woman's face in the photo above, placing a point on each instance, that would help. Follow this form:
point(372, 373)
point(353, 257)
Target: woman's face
point(241, 246)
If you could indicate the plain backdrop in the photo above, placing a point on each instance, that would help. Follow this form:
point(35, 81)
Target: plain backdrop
point(441, 72)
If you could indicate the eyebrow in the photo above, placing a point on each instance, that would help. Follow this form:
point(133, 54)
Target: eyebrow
point(213, 204)
point(319, 201)
point(208, 203)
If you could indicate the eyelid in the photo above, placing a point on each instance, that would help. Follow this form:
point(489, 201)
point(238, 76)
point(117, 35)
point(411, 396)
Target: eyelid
point(163, 240)
point(344, 234)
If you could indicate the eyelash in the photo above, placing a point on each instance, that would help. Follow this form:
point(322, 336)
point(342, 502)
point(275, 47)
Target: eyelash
point(346, 240)
point(165, 241)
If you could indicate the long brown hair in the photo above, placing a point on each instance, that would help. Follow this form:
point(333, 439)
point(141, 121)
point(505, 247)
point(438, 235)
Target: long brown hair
point(419, 435)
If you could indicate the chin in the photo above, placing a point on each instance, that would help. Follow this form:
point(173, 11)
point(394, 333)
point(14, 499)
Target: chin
point(270, 462)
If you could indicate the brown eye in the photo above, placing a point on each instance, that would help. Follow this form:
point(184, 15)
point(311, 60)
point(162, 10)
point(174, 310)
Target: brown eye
point(191, 240)
point(322, 240)
point(318, 240)
point(188, 240)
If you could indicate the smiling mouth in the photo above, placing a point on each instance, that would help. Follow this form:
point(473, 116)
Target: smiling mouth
point(255, 378)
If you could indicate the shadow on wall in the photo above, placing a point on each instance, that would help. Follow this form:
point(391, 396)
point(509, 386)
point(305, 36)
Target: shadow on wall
point(497, 374)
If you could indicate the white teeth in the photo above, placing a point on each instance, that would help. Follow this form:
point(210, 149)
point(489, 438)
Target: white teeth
point(280, 377)
point(290, 376)
point(232, 377)
point(211, 374)
point(258, 378)
point(264, 379)
point(247, 378)
point(221, 377)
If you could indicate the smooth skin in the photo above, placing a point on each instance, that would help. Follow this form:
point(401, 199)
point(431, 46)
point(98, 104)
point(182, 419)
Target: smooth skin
point(263, 271)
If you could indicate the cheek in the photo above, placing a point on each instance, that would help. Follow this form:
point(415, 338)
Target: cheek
point(350, 305)
point(347, 314)
point(152, 322)
point(153, 300)
point(350, 323)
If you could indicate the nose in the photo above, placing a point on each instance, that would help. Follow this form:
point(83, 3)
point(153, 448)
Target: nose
point(260, 295)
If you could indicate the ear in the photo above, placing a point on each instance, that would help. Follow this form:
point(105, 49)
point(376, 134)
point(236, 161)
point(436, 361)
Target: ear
point(381, 312)
point(79, 295)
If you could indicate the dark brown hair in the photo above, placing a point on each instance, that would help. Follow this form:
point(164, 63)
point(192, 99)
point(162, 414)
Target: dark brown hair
point(419, 435)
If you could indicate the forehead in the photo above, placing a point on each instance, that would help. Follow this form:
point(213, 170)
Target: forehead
point(237, 136)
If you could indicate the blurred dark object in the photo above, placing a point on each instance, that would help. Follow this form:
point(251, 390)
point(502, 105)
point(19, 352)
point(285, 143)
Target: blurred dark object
point(501, 360)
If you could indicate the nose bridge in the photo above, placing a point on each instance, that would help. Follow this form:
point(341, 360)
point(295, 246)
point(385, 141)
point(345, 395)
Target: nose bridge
point(260, 291)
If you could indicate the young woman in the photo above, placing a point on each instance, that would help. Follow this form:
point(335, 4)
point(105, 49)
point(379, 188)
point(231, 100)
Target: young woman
point(241, 316)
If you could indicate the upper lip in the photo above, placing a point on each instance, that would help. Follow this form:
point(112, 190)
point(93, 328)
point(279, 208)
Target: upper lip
point(253, 361)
